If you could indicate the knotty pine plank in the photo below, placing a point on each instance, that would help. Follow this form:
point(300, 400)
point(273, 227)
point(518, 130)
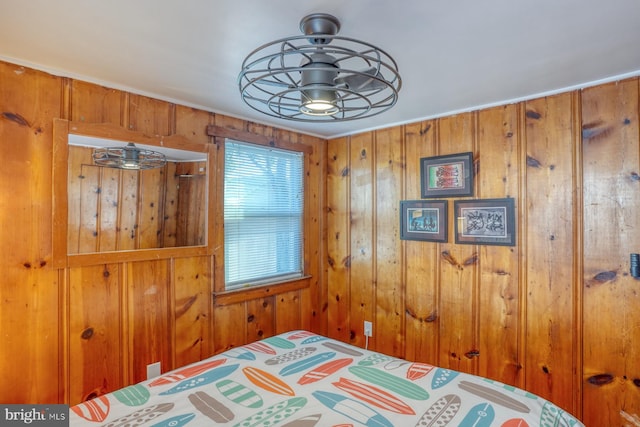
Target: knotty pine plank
point(389, 276)
point(420, 258)
point(108, 216)
point(611, 163)
point(497, 303)
point(338, 240)
point(92, 103)
point(149, 311)
point(95, 322)
point(362, 244)
point(30, 317)
point(193, 309)
point(287, 312)
point(458, 277)
point(548, 210)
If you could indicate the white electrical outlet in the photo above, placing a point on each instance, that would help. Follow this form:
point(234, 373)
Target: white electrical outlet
point(153, 370)
point(368, 329)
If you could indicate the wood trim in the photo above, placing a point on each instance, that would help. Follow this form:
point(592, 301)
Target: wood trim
point(59, 189)
point(222, 132)
point(523, 219)
point(219, 134)
point(64, 369)
point(124, 323)
point(61, 130)
point(578, 257)
point(258, 292)
point(171, 317)
point(111, 131)
point(135, 255)
point(218, 233)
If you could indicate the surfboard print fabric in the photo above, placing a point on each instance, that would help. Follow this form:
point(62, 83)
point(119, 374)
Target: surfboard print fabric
point(300, 379)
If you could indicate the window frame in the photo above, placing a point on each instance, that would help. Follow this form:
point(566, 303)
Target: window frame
point(292, 161)
point(221, 295)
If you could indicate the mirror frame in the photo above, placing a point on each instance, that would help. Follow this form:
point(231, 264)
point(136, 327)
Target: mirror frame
point(61, 130)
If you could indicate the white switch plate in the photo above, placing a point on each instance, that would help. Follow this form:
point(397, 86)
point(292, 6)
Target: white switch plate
point(368, 329)
point(153, 370)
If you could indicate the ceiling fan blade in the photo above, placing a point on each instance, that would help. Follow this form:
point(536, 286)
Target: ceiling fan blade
point(361, 82)
point(276, 83)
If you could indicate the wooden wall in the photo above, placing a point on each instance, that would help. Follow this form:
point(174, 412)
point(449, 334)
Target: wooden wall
point(557, 314)
point(73, 333)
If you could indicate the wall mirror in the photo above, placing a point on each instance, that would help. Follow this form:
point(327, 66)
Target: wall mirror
point(106, 213)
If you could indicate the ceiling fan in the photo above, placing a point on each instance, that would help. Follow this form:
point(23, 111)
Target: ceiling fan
point(128, 157)
point(319, 76)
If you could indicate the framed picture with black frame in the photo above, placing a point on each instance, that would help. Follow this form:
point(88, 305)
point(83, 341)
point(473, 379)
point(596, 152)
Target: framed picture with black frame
point(485, 222)
point(423, 220)
point(447, 176)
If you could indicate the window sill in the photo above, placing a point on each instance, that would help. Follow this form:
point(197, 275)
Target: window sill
point(246, 294)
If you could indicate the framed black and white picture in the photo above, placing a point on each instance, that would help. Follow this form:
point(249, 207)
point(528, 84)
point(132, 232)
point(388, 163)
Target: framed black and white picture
point(485, 222)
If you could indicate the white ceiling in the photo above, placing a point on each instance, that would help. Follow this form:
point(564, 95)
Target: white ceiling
point(453, 55)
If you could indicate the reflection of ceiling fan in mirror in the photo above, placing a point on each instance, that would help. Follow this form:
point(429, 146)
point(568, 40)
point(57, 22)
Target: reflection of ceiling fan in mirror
point(128, 157)
point(319, 76)
point(122, 208)
point(122, 155)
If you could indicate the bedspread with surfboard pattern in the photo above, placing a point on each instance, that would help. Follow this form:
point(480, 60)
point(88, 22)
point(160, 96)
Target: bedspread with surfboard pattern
point(300, 379)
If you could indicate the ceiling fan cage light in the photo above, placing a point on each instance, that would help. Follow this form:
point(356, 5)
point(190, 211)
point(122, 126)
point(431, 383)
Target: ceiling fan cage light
point(296, 78)
point(128, 157)
point(319, 107)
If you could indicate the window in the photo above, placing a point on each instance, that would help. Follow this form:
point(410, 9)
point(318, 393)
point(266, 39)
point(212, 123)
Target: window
point(263, 214)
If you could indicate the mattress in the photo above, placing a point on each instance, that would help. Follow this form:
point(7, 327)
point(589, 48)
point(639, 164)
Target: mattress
point(303, 379)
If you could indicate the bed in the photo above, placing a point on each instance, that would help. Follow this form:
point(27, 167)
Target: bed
point(301, 379)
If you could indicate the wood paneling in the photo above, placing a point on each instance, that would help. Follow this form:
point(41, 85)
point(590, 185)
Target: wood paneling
point(361, 211)
point(287, 311)
point(338, 238)
point(149, 336)
point(93, 325)
point(420, 260)
point(31, 364)
point(458, 321)
point(189, 183)
point(260, 318)
point(388, 314)
point(95, 331)
point(611, 194)
point(314, 297)
point(230, 326)
point(496, 305)
point(193, 311)
point(96, 104)
point(556, 313)
point(549, 245)
point(150, 116)
point(150, 209)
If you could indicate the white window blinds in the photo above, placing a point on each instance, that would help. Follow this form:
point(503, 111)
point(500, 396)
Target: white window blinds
point(263, 214)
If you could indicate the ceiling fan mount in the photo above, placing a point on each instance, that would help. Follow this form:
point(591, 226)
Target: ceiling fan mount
point(319, 76)
point(319, 25)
